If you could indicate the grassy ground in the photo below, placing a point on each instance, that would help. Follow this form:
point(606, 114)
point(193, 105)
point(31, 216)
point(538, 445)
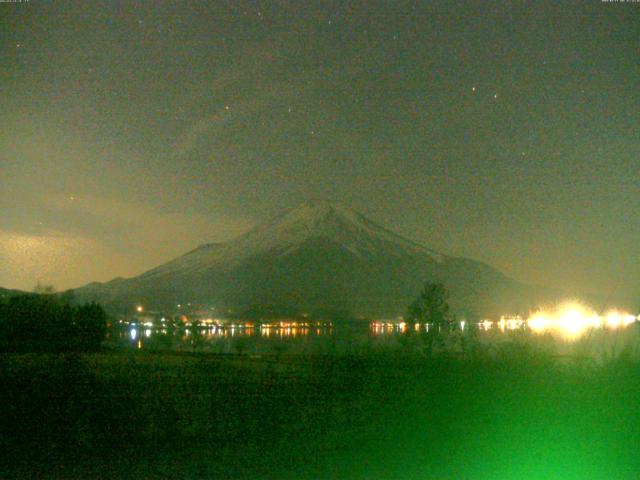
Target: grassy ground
point(512, 414)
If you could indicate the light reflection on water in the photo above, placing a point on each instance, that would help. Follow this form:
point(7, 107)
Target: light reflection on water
point(215, 332)
point(225, 338)
point(327, 337)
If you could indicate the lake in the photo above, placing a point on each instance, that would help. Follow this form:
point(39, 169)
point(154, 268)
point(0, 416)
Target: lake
point(306, 337)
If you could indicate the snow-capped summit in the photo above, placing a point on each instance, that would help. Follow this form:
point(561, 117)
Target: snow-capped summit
point(317, 256)
point(332, 222)
point(317, 220)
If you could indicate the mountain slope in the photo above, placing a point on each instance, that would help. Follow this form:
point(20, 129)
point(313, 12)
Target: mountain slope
point(319, 257)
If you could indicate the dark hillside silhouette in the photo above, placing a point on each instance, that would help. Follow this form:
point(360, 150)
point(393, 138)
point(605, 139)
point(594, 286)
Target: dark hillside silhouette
point(49, 323)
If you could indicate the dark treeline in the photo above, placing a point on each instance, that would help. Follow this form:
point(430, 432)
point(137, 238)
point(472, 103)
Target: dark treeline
point(50, 323)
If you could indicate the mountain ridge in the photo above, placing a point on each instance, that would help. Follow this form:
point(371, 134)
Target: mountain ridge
point(316, 256)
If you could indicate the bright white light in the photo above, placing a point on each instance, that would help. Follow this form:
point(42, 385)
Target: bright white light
point(538, 323)
point(486, 325)
point(616, 319)
point(502, 323)
point(572, 320)
point(573, 323)
point(133, 333)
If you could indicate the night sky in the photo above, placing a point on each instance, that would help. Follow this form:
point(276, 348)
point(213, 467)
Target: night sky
point(507, 132)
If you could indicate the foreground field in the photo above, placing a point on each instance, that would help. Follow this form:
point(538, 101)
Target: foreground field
point(513, 414)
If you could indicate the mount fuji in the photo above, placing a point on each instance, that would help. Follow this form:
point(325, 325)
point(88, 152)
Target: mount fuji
point(319, 258)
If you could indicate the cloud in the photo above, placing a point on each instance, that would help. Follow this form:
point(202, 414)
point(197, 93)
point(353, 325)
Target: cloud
point(133, 224)
point(231, 115)
point(262, 78)
point(91, 238)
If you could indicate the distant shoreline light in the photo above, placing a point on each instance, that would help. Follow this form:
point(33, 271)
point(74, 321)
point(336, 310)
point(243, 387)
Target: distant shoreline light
point(569, 320)
point(572, 320)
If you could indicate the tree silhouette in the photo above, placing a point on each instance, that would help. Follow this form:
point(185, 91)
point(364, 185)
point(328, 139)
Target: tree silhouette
point(41, 289)
point(431, 306)
point(47, 323)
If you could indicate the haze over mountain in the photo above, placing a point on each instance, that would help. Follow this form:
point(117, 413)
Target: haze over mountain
point(319, 258)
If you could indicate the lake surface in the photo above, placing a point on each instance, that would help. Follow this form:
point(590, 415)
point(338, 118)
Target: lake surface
point(295, 337)
point(281, 337)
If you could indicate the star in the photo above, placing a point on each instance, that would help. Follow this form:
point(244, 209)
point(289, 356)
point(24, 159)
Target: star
point(495, 95)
